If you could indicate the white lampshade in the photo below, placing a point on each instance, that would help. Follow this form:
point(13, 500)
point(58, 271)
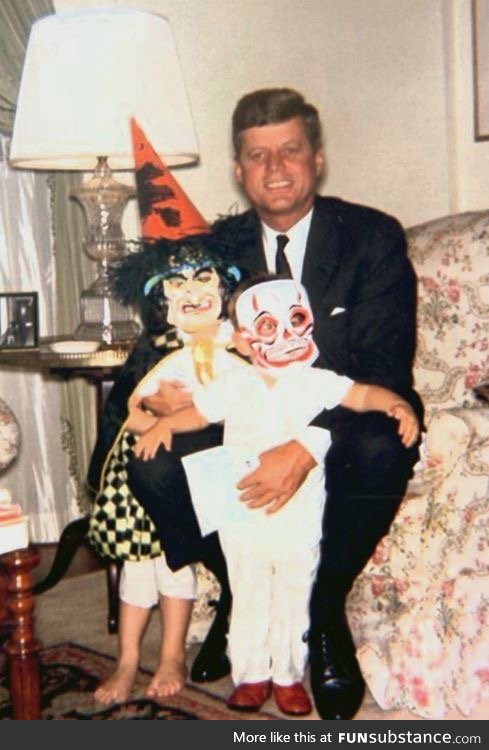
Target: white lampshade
point(86, 73)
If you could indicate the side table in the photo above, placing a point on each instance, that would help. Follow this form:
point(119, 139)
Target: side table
point(99, 369)
point(17, 626)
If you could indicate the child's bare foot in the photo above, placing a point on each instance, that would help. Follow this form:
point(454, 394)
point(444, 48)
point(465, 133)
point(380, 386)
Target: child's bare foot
point(168, 679)
point(118, 686)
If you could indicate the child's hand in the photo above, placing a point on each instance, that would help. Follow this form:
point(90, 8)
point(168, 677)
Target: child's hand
point(172, 395)
point(408, 423)
point(150, 441)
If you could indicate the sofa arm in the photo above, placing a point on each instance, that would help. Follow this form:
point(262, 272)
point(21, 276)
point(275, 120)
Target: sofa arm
point(453, 436)
point(419, 609)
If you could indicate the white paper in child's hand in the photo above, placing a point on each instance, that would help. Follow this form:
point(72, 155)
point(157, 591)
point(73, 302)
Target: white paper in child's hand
point(212, 476)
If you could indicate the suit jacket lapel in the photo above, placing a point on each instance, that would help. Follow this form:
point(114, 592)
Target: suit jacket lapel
point(322, 251)
point(321, 255)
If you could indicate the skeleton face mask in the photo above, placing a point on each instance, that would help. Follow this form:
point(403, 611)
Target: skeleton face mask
point(276, 320)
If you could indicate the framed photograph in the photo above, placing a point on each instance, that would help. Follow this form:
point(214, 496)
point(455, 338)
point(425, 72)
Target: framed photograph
point(480, 44)
point(19, 320)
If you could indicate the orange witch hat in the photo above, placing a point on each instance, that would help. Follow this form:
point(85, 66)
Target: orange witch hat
point(165, 210)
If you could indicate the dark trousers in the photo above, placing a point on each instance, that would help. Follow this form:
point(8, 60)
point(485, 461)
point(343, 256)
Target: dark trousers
point(367, 470)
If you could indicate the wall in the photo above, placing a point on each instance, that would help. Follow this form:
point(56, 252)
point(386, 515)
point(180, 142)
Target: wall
point(385, 74)
point(470, 158)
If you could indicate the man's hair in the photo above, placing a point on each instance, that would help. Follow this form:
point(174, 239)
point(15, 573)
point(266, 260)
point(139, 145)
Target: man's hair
point(271, 107)
point(258, 278)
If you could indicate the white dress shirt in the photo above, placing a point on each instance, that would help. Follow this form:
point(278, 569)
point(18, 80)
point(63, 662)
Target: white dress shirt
point(295, 248)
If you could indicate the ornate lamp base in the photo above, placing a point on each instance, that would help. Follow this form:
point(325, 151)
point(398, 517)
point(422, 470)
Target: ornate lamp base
point(93, 327)
point(103, 199)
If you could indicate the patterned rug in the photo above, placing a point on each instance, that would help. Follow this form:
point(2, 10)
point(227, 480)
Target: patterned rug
point(70, 673)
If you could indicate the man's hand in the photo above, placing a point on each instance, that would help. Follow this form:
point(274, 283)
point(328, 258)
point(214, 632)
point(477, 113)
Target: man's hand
point(281, 472)
point(172, 396)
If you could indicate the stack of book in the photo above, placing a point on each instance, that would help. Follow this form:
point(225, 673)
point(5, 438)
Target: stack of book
point(14, 525)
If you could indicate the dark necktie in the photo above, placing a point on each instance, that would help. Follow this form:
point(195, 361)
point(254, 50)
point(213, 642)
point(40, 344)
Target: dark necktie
point(281, 263)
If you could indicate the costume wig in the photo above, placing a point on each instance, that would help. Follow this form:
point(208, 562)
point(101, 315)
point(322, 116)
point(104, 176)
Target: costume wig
point(137, 278)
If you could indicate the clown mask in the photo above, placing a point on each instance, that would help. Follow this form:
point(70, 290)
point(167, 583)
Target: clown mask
point(275, 320)
point(194, 299)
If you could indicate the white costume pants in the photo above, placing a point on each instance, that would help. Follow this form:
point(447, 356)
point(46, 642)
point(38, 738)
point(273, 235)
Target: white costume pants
point(144, 581)
point(271, 586)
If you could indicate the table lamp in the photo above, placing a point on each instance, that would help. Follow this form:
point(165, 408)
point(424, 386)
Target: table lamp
point(86, 73)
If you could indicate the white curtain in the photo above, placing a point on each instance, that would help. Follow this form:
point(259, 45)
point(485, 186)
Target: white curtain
point(40, 478)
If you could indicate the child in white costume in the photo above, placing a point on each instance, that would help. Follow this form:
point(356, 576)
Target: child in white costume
point(271, 557)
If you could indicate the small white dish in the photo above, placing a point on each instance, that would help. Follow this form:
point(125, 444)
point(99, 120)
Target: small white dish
point(74, 347)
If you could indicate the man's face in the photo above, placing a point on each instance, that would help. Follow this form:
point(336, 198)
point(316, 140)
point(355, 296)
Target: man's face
point(194, 299)
point(278, 171)
point(275, 320)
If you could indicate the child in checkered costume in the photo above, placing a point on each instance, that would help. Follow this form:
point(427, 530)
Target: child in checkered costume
point(193, 282)
point(180, 281)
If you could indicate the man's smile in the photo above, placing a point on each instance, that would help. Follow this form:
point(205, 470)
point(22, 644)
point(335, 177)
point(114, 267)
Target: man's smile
point(278, 184)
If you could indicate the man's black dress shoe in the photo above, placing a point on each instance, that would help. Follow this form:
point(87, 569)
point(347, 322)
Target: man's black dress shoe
point(336, 680)
point(212, 663)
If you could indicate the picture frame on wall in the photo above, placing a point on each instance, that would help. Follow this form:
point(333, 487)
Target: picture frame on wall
point(19, 316)
point(480, 46)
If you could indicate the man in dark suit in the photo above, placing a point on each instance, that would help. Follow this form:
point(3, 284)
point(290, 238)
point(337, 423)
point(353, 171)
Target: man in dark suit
point(352, 261)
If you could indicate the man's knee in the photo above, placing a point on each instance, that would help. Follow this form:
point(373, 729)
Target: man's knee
point(151, 481)
point(150, 471)
point(166, 466)
point(371, 454)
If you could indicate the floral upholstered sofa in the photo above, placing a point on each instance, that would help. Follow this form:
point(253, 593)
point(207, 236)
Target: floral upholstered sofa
point(420, 610)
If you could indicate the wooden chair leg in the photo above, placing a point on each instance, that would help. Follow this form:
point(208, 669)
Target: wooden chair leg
point(70, 541)
point(113, 571)
point(73, 536)
point(22, 647)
